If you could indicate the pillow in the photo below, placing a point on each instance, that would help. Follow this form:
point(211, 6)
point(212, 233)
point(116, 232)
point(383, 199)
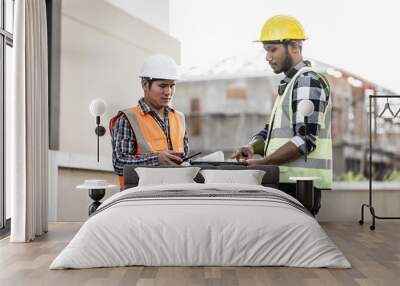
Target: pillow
point(248, 177)
point(163, 176)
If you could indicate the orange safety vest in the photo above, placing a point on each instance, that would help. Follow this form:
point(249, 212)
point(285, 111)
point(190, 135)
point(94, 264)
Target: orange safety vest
point(150, 137)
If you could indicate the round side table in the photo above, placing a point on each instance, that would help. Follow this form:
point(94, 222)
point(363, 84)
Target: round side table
point(96, 195)
point(305, 190)
point(97, 190)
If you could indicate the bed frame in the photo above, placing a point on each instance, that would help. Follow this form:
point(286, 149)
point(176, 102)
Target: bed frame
point(270, 179)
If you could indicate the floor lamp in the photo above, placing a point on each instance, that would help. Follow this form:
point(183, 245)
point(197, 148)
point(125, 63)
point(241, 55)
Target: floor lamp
point(369, 205)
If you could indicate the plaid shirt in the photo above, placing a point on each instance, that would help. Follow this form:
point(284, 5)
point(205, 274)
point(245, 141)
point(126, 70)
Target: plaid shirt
point(124, 143)
point(307, 86)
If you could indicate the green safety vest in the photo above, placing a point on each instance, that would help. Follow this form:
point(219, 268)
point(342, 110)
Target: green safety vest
point(319, 162)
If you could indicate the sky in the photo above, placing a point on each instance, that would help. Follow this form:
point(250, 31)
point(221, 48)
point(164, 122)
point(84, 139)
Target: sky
point(362, 37)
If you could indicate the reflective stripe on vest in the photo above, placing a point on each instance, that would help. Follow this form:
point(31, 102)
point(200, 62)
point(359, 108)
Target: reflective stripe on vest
point(134, 122)
point(319, 162)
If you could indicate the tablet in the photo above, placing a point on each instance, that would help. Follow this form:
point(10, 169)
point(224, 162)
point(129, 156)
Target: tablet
point(215, 163)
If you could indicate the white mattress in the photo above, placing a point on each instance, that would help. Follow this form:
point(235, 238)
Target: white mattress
point(183, 231)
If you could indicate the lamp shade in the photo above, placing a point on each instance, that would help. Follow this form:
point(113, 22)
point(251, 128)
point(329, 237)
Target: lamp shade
point(305, 107)
point(97, 107)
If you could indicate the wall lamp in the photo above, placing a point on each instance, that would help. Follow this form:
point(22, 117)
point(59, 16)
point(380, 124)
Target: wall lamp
point(306, 108)
point(98, 108)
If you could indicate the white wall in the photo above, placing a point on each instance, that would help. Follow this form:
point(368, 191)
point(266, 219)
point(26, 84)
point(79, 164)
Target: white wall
point(73, 203)
point(102, 50)
point(153, 12)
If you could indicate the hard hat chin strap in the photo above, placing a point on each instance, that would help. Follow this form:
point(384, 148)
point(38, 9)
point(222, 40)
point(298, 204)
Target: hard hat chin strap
point(299, 43)
point(285, 42)
point(149, 80)
point(277, 42)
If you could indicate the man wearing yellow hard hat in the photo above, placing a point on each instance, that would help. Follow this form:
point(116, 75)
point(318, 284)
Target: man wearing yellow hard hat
point(283, 142)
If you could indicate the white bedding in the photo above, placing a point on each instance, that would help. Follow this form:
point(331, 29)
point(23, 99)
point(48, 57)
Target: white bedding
point(182, 231)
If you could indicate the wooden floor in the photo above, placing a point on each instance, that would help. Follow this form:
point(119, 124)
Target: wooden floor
point(374, 255)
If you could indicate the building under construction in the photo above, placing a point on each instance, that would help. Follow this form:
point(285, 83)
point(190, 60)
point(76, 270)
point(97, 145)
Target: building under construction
point(231, 101)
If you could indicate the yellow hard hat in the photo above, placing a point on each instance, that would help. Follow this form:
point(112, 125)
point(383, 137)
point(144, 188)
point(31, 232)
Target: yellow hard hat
point(280, 28)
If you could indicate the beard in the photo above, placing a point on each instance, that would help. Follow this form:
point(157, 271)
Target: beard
point(286, 65)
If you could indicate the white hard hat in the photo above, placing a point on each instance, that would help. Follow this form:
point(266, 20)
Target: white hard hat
point(160, 67)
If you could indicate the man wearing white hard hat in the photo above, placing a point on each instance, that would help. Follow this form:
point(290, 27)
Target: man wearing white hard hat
point(283, 142)
point(151, 133)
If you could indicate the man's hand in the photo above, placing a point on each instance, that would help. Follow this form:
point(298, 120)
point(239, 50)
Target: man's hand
point(244, 152)
point(252, 162)
point(169, 158)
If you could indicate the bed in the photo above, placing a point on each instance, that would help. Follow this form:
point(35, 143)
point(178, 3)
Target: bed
point(201, 224)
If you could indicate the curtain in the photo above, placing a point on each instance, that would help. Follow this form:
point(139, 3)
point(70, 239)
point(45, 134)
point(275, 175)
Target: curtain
point(28, 123)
